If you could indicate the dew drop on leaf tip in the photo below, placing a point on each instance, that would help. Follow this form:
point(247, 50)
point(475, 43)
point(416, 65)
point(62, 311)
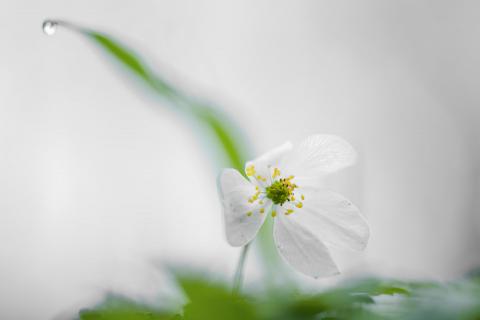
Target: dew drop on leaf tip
point(49, 27)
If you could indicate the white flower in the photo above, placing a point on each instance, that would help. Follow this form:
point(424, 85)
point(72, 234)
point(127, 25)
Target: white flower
point(284, 183)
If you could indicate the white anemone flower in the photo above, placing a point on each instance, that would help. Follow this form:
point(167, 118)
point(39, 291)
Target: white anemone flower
point(308, 218)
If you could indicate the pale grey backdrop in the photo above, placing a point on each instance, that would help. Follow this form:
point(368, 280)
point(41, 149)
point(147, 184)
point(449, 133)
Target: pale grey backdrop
point(97, 182)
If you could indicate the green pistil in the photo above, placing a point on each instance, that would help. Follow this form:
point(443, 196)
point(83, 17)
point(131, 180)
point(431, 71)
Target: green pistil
point(279, 191)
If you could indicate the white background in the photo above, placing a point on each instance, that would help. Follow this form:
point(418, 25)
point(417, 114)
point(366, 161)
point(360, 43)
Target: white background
point(98, 184)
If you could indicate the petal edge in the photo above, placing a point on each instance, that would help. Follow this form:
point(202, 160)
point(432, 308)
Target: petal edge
point(302, 250)
point(234, 191)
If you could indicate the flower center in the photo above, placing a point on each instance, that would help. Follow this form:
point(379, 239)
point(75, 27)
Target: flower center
point(281, 191)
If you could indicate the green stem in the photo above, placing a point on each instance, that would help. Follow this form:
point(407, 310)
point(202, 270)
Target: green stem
point(238, 279)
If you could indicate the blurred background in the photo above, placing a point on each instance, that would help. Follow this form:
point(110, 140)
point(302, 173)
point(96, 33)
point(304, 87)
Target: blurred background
point(100, 185)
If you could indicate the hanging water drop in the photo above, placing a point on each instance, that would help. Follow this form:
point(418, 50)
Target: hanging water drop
point(49, 27)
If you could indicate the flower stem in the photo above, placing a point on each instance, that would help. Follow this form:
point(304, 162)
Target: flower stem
point(238, 279)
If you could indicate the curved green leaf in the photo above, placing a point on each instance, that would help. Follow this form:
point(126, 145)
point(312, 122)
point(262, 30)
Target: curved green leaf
point(230, 141)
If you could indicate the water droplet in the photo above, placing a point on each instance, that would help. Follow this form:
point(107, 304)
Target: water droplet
point(49, 27)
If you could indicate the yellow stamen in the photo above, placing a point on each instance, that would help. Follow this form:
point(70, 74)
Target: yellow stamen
point(262, 210)
point(254, 198)
point(249, 213)
point(289, 211)
point(303, 197)
point(259, 177)
point(276, 173)
point(299, 205)
point(274, 213)
point(250, 170)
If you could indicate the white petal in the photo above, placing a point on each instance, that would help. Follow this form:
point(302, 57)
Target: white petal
point(334, 219)
point(234, 191)
point(265, 163)
point(318, 155)
point(301, 249)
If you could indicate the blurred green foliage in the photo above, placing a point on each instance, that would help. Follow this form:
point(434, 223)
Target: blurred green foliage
point(116, 307)
point(210, 300)
point(357, 299)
